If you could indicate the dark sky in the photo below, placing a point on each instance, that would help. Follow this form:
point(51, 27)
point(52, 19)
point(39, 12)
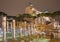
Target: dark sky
point(13, 7)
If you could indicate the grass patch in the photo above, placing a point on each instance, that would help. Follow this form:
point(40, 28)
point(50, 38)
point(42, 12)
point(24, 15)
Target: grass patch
point(0, 38)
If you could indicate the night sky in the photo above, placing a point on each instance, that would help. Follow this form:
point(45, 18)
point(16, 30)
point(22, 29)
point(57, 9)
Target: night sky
point(13, 7)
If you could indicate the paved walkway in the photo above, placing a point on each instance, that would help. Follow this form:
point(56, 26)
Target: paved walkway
point(39, 40)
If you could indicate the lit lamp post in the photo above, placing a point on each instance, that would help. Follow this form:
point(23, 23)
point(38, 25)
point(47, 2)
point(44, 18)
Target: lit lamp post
point(4, 28)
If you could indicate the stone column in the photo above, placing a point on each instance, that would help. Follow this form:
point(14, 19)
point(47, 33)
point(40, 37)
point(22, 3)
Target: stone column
point(4, 28)
point(19, 29)
point(13, 29)
point(25, 29)
point(59, 34)
point(34, 29)
point(11, 26)
point(29, 29)
point(7, 26)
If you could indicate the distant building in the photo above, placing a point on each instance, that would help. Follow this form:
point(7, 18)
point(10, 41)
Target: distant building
point(29, 9)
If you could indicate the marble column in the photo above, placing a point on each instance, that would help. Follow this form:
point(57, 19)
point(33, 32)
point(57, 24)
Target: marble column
point(11, 26)
point(13, 29)
point(7, 25)
point(4, 28)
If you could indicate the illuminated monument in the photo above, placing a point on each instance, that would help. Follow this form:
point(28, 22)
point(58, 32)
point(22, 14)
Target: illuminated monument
point(29, 9)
